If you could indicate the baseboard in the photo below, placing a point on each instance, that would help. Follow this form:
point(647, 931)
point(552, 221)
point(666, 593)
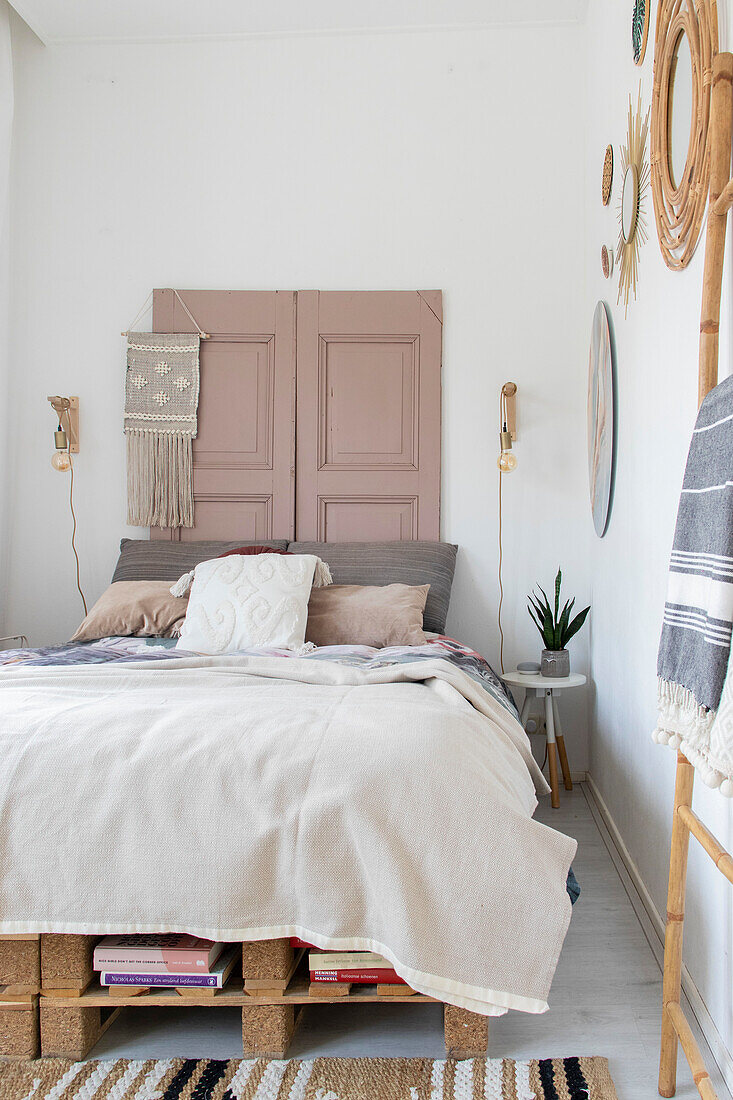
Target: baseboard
point(654, 930)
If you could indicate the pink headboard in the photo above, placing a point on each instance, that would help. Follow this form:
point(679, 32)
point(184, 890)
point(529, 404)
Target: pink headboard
point(319, 415)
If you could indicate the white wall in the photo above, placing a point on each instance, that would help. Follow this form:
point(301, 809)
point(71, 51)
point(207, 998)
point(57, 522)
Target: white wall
point(657, 348)
point(438, 159)
point(6, 128)
point(463, 160)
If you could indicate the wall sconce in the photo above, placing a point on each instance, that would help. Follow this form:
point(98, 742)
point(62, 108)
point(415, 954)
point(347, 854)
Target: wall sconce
point(507, 427)
point(66, 442)
point(66, 436)
point(506, 463)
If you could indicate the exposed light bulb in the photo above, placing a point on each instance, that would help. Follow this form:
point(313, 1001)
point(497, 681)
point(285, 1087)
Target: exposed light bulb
point(506, 462)
point(61, 461)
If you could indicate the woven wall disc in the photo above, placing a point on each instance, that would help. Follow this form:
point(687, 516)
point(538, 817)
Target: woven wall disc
point(606, 262)
point(607, 182)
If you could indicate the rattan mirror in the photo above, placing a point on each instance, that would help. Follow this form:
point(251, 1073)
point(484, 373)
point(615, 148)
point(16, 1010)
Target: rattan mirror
point(686, 43)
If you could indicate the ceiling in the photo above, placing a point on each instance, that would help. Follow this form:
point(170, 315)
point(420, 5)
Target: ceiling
point(150, 20)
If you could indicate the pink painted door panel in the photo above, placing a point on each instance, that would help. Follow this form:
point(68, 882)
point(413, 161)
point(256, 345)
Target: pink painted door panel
point(243, 456)
point(368, 415)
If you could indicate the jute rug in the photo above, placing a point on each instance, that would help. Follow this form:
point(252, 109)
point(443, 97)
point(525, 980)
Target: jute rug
point(319, 1079)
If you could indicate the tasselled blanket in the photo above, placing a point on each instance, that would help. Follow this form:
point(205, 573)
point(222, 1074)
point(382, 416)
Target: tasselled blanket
point(695, 712)
point(242, 798)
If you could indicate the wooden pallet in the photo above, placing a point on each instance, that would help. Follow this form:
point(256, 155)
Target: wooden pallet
point(72, 1032)
point(273, 989)
point(20, 965)
point(19, 1034)
point(66, 965)
point(235, 995)
point(20, 981)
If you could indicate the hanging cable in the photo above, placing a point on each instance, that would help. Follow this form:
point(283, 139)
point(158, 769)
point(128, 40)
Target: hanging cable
point(501, 587)
point(501, 549)
point(73, 531)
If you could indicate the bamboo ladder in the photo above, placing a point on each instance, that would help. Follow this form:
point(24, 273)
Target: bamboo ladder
point(685, 822)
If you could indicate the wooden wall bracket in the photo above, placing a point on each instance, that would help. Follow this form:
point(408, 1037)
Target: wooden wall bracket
point(67, 411)
point(509, 397)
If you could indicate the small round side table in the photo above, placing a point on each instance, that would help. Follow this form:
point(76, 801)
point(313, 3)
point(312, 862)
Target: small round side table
point(548, 687)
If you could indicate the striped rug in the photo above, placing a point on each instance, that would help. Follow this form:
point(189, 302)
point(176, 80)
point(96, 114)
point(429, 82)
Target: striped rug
point(318, 1079)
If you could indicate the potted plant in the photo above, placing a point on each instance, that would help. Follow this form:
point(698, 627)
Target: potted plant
point(556, 629)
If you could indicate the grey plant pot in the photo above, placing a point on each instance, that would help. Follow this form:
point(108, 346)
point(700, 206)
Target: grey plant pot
point(555, 663)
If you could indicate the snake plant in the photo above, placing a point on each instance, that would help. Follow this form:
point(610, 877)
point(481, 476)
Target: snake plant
point(556, 629)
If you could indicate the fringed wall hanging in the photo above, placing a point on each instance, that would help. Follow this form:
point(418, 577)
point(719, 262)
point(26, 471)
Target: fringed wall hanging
point(161, 403)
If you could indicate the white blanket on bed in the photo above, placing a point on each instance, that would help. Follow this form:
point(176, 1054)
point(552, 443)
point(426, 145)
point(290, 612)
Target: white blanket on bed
point(244, 798)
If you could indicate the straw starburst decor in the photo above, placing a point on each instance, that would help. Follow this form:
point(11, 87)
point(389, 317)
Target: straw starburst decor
point(633, 154)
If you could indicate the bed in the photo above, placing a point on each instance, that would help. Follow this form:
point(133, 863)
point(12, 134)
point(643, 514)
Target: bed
point(358, 798)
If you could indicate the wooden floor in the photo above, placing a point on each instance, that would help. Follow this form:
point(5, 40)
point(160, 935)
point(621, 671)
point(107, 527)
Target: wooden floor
point(605, 998)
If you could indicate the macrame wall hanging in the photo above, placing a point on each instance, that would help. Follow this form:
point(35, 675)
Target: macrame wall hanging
point(161, 403)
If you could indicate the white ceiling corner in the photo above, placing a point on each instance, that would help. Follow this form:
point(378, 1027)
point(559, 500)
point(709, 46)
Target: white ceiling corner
point(166, 20)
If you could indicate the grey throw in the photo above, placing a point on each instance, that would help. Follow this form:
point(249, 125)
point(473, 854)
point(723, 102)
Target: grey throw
point(696, 635)
point(161, 402)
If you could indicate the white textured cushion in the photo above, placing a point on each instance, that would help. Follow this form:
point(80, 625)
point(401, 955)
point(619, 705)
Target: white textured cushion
point(243, 602)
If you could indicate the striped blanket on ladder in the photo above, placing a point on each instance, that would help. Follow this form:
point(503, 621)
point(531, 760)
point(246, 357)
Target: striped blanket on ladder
point(695, 677)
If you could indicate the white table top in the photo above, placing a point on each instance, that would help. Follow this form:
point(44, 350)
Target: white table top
point(534, 680)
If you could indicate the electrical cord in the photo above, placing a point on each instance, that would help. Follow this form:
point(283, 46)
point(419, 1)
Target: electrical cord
point(73, 531)
point(501, 586)
point(501, 548)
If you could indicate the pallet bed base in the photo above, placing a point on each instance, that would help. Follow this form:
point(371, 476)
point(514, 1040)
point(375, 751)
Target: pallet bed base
point(62, 1011)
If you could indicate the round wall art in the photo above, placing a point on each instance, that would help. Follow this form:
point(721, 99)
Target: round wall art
point(606, 261)
point(640, 29)
point(607, 180)
point(600, 419)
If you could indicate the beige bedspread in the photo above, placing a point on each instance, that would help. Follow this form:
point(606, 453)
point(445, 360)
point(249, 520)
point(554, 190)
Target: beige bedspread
point(243, 798)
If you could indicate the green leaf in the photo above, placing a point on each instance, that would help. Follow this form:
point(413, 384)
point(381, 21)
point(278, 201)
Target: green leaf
point(576, 624)
point(535, 620)
point(558, 582)
point(548, 631)
point(541, 611)
point(564, 617)
point(546, 605)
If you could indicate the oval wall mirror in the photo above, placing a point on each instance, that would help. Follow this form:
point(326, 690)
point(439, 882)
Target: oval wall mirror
point(629, 203)
point(679, 110)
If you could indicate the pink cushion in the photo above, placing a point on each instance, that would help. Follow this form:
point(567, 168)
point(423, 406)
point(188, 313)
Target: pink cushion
point(373, 615)
point(134, 609)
